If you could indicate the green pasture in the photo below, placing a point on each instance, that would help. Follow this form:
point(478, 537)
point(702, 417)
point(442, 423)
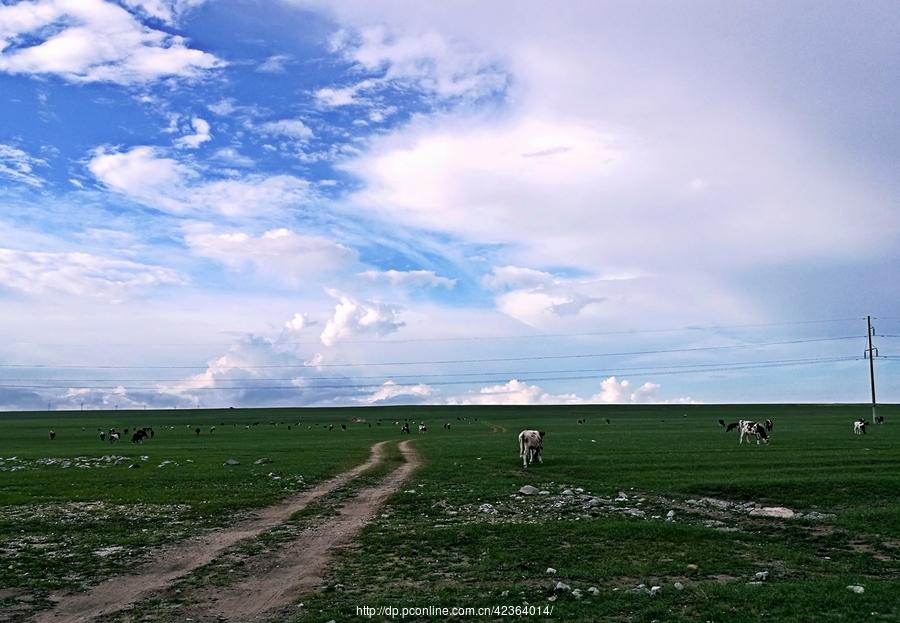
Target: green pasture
point(67, 527)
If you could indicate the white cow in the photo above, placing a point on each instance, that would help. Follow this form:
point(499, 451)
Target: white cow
point(749, 428)
point(531, 446)
point(859, 427)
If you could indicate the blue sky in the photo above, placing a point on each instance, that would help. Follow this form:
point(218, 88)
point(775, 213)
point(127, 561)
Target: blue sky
point(225, 202)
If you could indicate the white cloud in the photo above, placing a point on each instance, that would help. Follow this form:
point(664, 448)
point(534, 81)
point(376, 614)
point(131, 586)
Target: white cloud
point(298, 322)
point(94, 41)
point(391, 393)
point(612, 391)
point(80, 274)
point(285, 255)
point(168, 11)
point(409, 278)
point(428, 60)
point(231, 157)
point(333, 97)
point(145, 175)
point(291, 128)
point(275, 64)
point(516, 277)
point(200, 135)
point(359, 317)
point(19, 166)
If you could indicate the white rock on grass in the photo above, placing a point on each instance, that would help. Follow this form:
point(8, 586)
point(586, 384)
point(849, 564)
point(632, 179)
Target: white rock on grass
point(528, 490)
point(761, 576)
point(562, 588)
point(594, 591)
point(550, 571)
point(779, 512)
point(655, 590)
point(232, 462)
point(487, 508)
point(856, 588)
point(678, 586)
point(577, 594)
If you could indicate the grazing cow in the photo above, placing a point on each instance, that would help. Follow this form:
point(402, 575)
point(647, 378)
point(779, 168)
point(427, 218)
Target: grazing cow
point(447, 425)
point(52, 435)
point(113, 437)
point(405, 428)
point(749, 428)
point(531, 446)
point(859, 427)
point(769, 426)
point(212, 429)
point(423, 428)
point(102, 436)
point(343, 427)
point(331, 427)
point(197, 430)
point(879, 419)
point(138, 436)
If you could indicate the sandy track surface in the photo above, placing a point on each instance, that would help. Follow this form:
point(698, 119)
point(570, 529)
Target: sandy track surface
point(297, 568)
point(178, 560)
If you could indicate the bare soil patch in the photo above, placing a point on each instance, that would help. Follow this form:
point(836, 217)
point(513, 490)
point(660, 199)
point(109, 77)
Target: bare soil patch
point(180, 559)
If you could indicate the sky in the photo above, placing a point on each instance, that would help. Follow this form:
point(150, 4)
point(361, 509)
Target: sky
point(212, 203)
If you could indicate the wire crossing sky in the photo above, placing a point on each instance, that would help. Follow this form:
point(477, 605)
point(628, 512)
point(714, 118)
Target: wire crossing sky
point(296, 202)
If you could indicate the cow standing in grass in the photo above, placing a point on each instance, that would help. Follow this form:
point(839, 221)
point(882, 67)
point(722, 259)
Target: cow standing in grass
point(859, 427)
point(749, 429)
point(531, 446)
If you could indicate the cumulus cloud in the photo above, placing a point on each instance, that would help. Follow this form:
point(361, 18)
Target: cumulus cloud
point(18, 166)
point(391, 393)
point(147, 176)
point(359, 317)
point(409, 278)
point(168, 11)
point(200, 135)
point(298, 322)
point(283, 254)
point(291, 128)
point(80, 274)
point(612, 391)
point(258, 371)
point(516, 277)
point(96, 41)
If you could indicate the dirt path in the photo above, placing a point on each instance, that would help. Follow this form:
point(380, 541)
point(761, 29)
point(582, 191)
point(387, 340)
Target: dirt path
point(297, 568)
point(180, 559)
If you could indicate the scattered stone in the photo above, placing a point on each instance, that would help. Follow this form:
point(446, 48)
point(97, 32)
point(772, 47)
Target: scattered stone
point(487, 508)
point(528, 490)
point(655, 590)
point(780, 512)
point(621, 497)
point(678, 586)
point(761, 576)
point(594, 591)
point(577, 594)
point(543, 493)
point(692, 568)
point(504, 594)
point(232, 462)
point(550, 571)
point(816, 516)
point(262, 461)
point(754, 583)
point(856, 588)
point(134, 466)
point(579, 490)
point(568, 492)
point(670, 516)
point(562, 588)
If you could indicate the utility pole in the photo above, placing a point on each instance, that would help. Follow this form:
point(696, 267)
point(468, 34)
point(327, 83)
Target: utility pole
point(871, 353)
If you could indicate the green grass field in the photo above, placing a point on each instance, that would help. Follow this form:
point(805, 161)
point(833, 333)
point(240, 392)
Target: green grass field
point(65, 527)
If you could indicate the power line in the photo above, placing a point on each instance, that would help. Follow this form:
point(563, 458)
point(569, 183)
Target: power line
point(446, 361)
point(440, 383)
point(686, 329)
point(633, 370)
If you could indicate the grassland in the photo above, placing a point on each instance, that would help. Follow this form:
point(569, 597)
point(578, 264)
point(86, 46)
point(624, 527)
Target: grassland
point(434, 544)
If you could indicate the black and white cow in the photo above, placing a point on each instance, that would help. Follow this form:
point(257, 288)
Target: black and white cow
point(749, 429)
point(531, 446)
point(859, 427)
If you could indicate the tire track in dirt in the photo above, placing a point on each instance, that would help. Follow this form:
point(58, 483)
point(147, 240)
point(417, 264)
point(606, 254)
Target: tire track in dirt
point(297, 568)
point(179, 559)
